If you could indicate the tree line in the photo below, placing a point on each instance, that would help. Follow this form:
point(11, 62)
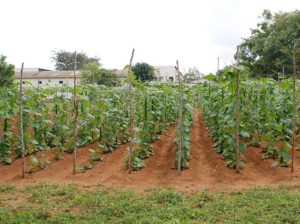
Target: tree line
point(268, 50)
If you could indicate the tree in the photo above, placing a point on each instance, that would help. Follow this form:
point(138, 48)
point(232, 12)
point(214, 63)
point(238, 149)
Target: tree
point(64, 60)
point(7, 72)
point(268, 50)
point(93, 73)
point(143, 72)
point(193, 75)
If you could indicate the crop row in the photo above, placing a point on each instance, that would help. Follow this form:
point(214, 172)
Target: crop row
point(104, 119)
point(265, 111)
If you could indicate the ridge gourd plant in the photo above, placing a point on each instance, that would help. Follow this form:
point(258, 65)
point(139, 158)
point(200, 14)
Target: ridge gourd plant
point(184, 122)
point(265, 115)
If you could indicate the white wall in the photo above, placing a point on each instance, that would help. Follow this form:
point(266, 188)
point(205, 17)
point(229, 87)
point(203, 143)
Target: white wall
point(166, 73)
point(51, 82)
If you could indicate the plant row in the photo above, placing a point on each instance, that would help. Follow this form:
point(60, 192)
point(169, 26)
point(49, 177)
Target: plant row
point(265, 115)
point(48, 118)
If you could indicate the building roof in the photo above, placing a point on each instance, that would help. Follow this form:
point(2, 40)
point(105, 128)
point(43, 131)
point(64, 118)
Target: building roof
point(47, 75)
point(38, 73)
point(31, 69)
point(59, 74)
point(165, 70)
point(120, 73)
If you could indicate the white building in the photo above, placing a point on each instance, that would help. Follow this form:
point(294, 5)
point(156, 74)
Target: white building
point(166, 73)
point(43, 77)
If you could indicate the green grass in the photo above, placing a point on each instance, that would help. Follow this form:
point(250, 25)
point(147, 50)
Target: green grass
point(44, 203)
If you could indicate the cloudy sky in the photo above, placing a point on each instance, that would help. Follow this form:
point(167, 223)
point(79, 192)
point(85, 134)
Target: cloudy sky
point(195, 32)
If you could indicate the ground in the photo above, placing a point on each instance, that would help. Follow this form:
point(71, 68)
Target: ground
point(207, 168)
point(50, 203)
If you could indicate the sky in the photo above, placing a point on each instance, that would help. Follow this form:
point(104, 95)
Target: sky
point(195, 32)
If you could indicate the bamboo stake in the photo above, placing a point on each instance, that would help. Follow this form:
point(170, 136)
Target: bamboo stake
point(294, 111)
point(179, 118)
point(67, 100)
point(131, 114)
point(21, 122)
point(75, 118)
point(237, 125)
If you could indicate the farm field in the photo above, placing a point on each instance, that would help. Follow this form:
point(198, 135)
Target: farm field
point(207, 168)
point(150, 112)
point(179, 141)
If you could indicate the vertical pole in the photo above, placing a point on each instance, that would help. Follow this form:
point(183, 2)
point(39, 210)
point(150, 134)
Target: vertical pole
point(237, 125)
point(67, 101)
point(218, 66)
point(294, 111)
point(179, 118)
point(21, 122)
point(67, 86)
point(75, 116)
point(131, 113)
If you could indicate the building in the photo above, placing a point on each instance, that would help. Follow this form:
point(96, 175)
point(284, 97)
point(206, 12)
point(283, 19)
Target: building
point(43, 77)
point(166, 74)
point(121, 74)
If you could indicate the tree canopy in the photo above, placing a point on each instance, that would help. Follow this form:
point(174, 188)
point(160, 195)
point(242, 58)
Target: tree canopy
point(93, 73)
point(192, 75)
point(64, 60)
point(143, 72)
point(268, 51)
point(7, 72)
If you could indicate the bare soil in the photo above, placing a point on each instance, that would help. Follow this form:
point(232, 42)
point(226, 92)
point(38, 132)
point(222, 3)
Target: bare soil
point(207, 169)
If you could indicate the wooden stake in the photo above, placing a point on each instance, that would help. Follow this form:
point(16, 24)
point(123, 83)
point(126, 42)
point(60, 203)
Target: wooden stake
point(179, 118)
point(131, 114)
point(75, 117)
point(21, 123)
point(237, 124)
point(67, 101)
point(294, 111)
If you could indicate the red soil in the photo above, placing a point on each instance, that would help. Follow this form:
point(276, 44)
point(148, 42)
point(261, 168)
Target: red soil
point(207, 168)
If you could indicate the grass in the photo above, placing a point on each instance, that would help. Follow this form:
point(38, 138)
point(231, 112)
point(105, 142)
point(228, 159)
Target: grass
point(48, 203)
